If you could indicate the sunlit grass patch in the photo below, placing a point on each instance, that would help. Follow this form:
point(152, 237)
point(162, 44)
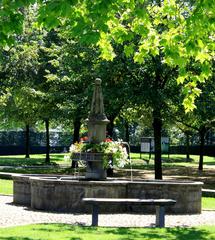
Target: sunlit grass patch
point(69, 232)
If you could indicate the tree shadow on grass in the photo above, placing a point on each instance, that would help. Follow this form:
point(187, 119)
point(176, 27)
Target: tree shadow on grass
point(177, 160)
point(78, 227)
point(189, 233)
point(210, 163)
point(120, 232)
point(51, 170)
point(134, 233)
point(26, 238)
point(15, 238)
point(33, 160)
point(19, 161)
point(165, 233)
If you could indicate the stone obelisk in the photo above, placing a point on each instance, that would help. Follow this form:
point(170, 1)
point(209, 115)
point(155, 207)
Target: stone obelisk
point(97, 122)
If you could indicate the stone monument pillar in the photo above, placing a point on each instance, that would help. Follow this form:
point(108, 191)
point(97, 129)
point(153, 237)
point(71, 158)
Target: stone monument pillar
point(97, 122)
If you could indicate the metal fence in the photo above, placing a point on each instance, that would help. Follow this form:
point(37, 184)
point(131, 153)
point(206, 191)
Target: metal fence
point(13, 142)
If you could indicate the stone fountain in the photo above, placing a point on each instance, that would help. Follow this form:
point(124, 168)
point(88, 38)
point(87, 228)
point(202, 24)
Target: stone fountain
point(65, 193)
point(97, 122)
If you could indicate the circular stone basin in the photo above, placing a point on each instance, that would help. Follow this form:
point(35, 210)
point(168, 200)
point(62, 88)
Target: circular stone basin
point(64, 194)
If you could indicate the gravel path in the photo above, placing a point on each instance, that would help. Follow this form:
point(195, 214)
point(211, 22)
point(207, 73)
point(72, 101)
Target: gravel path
point(12, 215)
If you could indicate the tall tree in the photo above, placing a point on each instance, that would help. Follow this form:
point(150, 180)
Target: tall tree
point(164, 30)
point(155, 87)
point(26, 69)
point(104, 22)
point(202, 119)
point(48, 59)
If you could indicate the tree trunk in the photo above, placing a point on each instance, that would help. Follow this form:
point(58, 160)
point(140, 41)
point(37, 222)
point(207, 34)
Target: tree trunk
point(76, 132)
point(126, 131)
point(47, 160)
point(208, 138)
point(157, 126)
point(202, 133)
point(27, 141)
point(110, 127)
point(76, 136)
point(187, 146)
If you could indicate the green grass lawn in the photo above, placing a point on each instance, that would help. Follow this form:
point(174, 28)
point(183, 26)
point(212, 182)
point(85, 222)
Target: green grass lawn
point(170, 160)
point(38, 162)
point(208, 203)
point(58, 159)
point(41, 170)
point(35, 159)
point(68, 232)
point(6, 187)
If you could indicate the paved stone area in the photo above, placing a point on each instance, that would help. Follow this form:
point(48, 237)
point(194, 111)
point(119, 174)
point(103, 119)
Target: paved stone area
point(13, 215)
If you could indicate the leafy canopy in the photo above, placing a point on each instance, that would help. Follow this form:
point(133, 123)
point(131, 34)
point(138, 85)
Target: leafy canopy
point(182, 32)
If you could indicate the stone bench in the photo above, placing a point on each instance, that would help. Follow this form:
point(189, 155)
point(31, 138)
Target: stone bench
point(158, 203)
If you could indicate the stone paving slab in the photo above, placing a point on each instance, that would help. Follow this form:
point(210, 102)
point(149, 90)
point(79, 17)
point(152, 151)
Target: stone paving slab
point(14, 215)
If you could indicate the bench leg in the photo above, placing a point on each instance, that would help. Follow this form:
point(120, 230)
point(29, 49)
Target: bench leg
point(160, 216)
point(95, 213)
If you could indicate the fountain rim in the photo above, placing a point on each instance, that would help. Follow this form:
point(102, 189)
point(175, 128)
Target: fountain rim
point(68, 179)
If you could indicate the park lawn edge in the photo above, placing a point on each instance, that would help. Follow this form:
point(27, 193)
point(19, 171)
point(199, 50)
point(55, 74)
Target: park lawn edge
point(61, 231)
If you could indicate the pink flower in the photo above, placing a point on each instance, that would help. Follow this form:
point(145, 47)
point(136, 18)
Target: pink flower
point(85, 138)
point(108, 140)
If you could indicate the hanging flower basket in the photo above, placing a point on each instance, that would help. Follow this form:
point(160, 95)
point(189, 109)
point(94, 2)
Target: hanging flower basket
point(90, 156)
point(111, 153)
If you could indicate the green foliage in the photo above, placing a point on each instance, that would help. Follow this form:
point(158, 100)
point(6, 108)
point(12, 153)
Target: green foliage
point(68, 232)
point(204, 112)
point(116, 150)
point(179, 31)
point(11, 19)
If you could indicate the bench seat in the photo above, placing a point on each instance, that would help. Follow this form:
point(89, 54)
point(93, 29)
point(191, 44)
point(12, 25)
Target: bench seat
point(158, 203)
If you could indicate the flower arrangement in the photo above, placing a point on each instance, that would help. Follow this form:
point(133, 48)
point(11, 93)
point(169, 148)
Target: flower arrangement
point(108, 148)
